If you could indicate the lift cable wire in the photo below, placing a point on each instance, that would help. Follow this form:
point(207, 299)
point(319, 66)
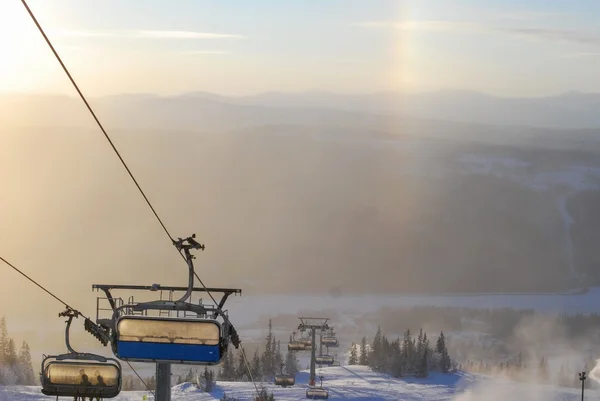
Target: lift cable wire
point(39, 285)
point(83, 98)
point(94, 116)
point(65, 304)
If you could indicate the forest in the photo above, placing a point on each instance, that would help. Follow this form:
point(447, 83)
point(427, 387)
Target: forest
point(410, 355)
point(15, 367)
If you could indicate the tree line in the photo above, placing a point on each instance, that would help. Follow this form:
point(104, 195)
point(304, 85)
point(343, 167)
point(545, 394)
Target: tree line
point(263, 365)
point(409, 356)
point(499, 322)
point(15, 367)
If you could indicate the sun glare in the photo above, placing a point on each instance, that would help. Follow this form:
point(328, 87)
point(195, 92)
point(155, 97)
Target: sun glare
point(20, 48)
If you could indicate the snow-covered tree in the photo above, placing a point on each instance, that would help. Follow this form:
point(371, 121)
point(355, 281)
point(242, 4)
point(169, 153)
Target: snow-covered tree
point(353, 359)
point(256, 367)
point(268, 357)
point(27, 376)
point(364, 355)
point(3, 340)
point(228, 371)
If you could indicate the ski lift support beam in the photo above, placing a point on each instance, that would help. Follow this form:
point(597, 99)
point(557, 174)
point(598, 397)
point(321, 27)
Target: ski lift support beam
point(306, 324)
point(157, 287)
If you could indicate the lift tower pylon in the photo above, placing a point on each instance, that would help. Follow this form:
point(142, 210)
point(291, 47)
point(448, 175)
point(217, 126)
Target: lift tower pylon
point(313, 324)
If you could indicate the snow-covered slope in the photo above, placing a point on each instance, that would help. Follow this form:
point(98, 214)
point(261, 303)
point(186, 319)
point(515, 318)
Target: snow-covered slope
point(359, 383)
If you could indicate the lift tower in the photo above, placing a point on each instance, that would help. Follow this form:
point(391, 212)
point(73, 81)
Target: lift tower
point(312, 324)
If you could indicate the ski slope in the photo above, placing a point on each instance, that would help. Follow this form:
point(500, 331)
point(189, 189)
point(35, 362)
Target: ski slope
point(358, 383)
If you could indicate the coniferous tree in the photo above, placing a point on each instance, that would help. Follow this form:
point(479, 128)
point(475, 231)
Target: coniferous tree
point(189, 377)
point(11, 353)
point(444, 361)
point(420, 344)
point(353, 360)
point(25, 365)
point(273, 353)
point(241, 369)
point(125, 384)
point(397, 362)
point(268, 356)
point(228, 371)
point(422, 370)
point(256, 367)
point(375, 355)
point(151, 382)
point(278, 359)
point(364, 356)
point(3, 340)
point(385, 357)
point(408, 352)
point(291, 363)
point(208, 380)
point(440, 344)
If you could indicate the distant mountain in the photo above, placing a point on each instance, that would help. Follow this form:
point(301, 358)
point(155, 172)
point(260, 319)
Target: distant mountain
point(569, 110)
point(295, 194)
point(570, 118)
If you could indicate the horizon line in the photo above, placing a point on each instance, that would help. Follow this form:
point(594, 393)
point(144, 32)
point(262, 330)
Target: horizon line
point(291, 92)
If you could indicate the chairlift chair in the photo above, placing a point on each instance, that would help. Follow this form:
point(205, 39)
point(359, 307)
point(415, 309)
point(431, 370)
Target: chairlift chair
point(79, 374)
point(326, 360)
point(296, 345)
point(161, 339)
point(317, 393)
point(284, 380)
point(200, 341)
point(330, 341)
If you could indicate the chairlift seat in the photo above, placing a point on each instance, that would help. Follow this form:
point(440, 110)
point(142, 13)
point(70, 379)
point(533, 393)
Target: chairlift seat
point(296, 346)
point(176, 340)
point(80, 378)
point(317, 393)
point(327, 360)
point(330, 342)
point(285, 380)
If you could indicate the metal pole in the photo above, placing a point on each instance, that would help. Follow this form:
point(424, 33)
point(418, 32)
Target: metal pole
point(312, 357)
point(582, 377)
point(163, 382)
point(321, 343)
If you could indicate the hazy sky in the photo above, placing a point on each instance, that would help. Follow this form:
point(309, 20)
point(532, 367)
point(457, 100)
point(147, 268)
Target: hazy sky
point(505, 47)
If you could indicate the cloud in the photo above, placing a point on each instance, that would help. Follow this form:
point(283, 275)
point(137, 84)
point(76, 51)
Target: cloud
point(422, 25)
point(531, 15)
point(351, 61)
point(185, 35)
point(582, 54)
point(205, 53)
point(82, 34)
point(154, 34)
point(555, 35)
point(546, 34)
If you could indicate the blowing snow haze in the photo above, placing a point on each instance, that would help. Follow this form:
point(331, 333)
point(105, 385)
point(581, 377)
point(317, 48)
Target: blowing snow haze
point(307, 193)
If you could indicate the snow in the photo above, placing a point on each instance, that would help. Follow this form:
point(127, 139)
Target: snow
point(360, 384)
point(574, 177)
